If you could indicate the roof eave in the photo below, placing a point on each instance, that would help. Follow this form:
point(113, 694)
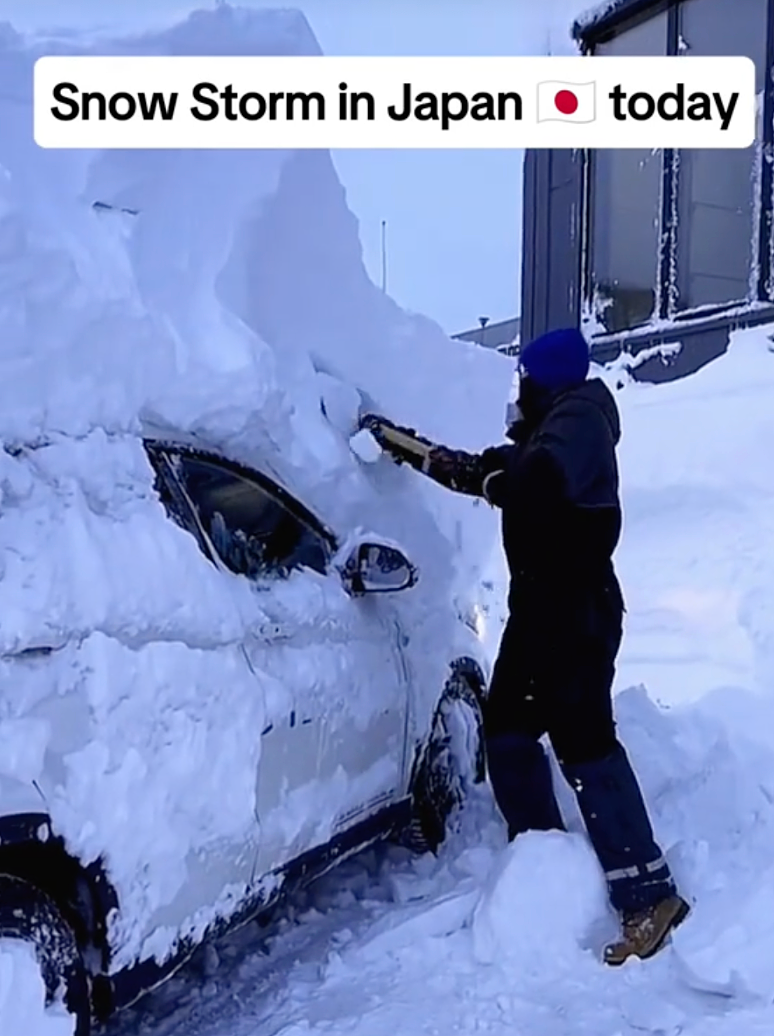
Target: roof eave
point(587, 29)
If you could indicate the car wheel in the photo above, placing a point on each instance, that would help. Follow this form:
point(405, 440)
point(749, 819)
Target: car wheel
point(453, 761)
point(30, 915)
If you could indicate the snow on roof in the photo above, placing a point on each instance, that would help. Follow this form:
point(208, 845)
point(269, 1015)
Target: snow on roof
point(599, 12)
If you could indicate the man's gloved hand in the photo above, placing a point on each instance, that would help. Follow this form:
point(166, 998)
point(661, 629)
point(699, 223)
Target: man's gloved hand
point(456, 469)
point(373, 423)
point(444, 463)
point(380, 427)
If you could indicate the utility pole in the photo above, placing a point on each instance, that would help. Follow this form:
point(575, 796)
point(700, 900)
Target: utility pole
point(384, 256)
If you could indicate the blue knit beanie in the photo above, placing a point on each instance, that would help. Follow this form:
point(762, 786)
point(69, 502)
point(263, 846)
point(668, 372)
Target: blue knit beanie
point(557, 360)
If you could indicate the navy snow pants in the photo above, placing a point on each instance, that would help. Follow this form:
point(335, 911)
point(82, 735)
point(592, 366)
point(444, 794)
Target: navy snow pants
point(561, 685)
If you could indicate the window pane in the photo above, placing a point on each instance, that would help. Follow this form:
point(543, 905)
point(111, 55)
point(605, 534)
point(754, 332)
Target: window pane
point(715, 188)
point(626, 204)
point(171, 498)
point(252, 532)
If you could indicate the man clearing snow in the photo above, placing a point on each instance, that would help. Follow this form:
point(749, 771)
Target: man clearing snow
point(557, 486)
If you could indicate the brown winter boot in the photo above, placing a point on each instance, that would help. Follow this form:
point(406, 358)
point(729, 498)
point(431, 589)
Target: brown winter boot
point(645, 932)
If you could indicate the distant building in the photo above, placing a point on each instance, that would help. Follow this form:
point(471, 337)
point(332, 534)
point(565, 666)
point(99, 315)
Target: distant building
point(502, 336)
point(658, 254)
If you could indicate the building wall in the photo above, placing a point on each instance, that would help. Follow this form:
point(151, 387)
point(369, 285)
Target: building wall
point(703, 266)
point(551, 246)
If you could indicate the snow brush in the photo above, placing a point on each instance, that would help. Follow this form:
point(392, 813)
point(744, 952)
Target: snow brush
point(454, 469)
point(403, 444)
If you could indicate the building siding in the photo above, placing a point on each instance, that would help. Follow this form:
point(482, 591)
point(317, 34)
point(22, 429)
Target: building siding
point(552, 293)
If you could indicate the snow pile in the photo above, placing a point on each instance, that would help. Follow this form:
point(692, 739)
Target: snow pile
point(698, 495)
point(221, 295)
point(22, 996)
point(533, 927)
point(231, 302)
point(696, 565)
point(710, 789)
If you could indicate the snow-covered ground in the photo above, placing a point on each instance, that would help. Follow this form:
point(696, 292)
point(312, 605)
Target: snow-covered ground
point(228, 307)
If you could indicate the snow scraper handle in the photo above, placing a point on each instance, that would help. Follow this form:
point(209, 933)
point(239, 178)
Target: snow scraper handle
point(403, 444)
point(453, 469)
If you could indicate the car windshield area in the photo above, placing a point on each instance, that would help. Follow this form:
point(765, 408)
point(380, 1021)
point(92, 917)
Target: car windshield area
point(253, 532)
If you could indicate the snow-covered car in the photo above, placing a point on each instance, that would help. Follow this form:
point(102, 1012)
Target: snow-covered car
point(352, 750)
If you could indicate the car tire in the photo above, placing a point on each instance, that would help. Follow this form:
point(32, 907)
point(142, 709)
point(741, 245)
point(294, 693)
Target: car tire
point(453, 762)
point(30, 915)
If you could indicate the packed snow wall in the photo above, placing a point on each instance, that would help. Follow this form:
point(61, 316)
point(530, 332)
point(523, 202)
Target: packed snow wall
point(243, 272)
point(215, 293)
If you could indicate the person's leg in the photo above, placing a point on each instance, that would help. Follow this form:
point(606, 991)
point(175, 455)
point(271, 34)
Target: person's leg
point(597, 768)
point(519, 771)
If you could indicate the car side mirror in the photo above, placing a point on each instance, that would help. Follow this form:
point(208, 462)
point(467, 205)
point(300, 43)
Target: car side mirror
point(378, 568)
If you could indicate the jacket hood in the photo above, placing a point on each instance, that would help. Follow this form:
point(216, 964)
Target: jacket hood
point(596, 393)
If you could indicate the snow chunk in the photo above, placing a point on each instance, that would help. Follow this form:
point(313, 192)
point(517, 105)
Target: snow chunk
point(23, 744)
point(729, 946)
point(540, 903)
point(22, 995)
point(365, 447)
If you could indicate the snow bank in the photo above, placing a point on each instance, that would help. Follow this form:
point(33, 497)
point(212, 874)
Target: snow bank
point(710, 789)
point(233, 299)
point(698, 495)
point(22, 995)
point(239, 281)
point(222, 295)
point(696, 564)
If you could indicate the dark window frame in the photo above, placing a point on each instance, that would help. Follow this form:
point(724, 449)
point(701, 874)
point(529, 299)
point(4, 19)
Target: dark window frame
point(626, 15)
point(160, 453)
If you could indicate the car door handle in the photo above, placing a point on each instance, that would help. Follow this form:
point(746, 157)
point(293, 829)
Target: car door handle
point(271, 632)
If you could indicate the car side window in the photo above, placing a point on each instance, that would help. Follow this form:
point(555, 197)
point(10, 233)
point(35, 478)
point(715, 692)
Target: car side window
point(254, 533)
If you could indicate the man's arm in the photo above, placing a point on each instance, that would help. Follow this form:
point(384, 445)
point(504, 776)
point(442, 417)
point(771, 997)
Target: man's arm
point(474, 474)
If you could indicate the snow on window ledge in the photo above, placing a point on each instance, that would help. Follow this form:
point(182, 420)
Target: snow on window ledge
point(693, 320)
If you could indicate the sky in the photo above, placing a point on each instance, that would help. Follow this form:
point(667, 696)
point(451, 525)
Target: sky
point(452, 218)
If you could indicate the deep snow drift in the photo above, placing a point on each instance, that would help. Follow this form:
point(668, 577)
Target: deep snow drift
point(222, 295)
point(696, 556)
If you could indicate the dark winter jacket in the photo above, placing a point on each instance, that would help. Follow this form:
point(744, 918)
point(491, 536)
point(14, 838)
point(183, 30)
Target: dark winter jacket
point(559, 494)
point(558, 488)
